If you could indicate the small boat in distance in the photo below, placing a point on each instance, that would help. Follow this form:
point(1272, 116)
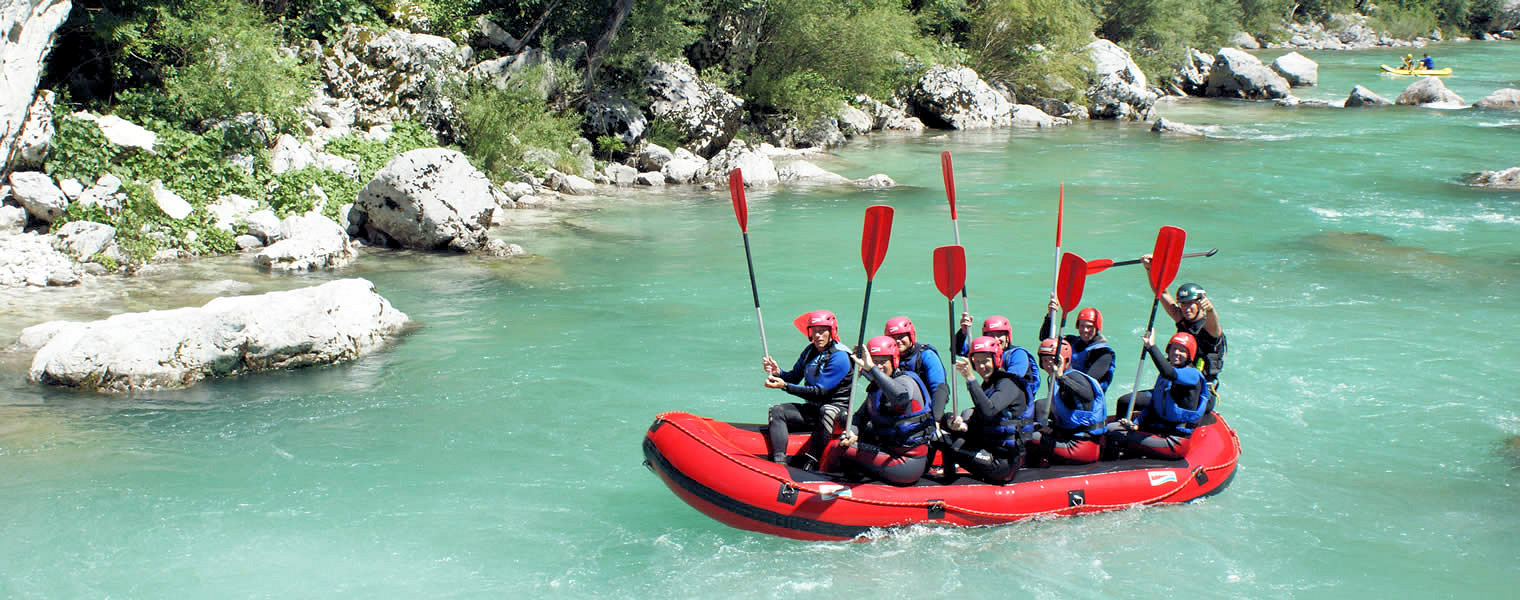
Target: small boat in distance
point(1417, 72)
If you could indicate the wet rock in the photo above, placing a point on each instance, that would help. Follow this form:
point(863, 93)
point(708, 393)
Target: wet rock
point(959, 99)
point(1504, 179)
point(1504, 99)
point(801, 171)
point(758, 169)
point(1361, 96)
point(333, 322)
point(568, 184)
point(704, 115)
point(1162, 125)
point(29, 259)
point(1297, 69)
point(1236, 74)
point(1027, 116)
point(683, 167)
point(307, 243)
point(1429, 90)
point(430, 199)
point(1120, 89)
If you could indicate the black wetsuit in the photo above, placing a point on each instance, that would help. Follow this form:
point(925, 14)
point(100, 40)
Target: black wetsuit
point(900, 462)
point(824, 405)
point(985, 453)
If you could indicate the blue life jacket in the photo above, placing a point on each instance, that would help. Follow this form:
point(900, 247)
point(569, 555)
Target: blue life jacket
point(1164, 400)
point(814, 369)
point(1005, 429)
point(1019, 363)
point(904, 431)
point(916, 364)
point(1081, 360)
point(1082, 423)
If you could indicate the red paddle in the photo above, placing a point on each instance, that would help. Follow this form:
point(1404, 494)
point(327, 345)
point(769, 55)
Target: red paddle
point(873, 248)
point(1164, 262)
point(741, 211)
point(948, 169)
point(1069, 285)
point(1099, 265)
point(950, 278)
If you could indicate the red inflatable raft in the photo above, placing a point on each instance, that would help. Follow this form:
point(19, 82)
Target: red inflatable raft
point(722, 469)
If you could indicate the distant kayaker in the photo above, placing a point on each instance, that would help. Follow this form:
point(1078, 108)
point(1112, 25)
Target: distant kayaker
point(1409, 62)
point(921, 359)
point(991, 446)
point(1427, 63)
point(821, 378)
point(894, 421)
point(1091, 353)
point(1178, 401)
point(1077, 416)
point(1016, 360)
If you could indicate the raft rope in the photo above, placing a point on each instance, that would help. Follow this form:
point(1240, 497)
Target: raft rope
point(789, 482)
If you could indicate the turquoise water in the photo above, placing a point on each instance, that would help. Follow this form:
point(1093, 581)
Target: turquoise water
point(495, 451)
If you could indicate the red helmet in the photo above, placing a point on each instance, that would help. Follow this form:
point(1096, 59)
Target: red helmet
point(1187, 342)
point(1091, 314)
point(817, 318)
point(899, 325)
point(1048, 348)
point(997, 323)
point(882, 345)
point(988, 344)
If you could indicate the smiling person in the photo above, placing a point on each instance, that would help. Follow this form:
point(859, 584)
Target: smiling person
point(820, 377)
point(920, 359)
point(1178, 401)
point(992, 446)
point(894, 422)
point(1091, 353)
point(1075, 432)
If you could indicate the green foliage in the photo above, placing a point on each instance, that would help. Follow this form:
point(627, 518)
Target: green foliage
point(610, 147)
point(449, 18)
point(664, 134)
point(1032, 43)
point(80, 151)
point(1405, 22)
point(814, 53)
point(373, 154)
point(320, 18)
point(507, 128)
point(226, 61)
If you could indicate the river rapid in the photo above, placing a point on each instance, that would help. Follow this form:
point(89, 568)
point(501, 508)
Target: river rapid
point(495, 452)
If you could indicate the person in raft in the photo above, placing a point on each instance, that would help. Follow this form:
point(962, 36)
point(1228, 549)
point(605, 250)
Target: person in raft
point(1178, 401)
point(1091, 353)
point(894, 421)
point(1408, 62)
point(1077, 417)
point(821, 378)
point(1427, 63)
point(1017, 361)
point(991, 446)
point(921, 360)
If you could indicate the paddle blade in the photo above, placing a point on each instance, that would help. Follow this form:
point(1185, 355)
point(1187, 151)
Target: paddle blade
point(1071, 281)
point(874, 239)
point(949, 170)
point(1060, 210)
point(950, 270)
point(1097, 266)
point(1166, 258)
point(736, 191)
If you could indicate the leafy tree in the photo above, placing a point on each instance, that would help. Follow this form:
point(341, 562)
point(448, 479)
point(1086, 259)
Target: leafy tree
point(1032, 43)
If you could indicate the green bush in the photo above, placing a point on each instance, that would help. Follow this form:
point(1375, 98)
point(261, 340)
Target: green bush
point(226, 61)
point(813, 54)
point(508, 128)
point(1033, 43)
point(1405, 22)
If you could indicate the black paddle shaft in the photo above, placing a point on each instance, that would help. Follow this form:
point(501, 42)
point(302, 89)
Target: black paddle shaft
point(1150, 326)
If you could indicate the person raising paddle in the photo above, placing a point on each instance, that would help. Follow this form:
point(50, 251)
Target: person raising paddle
point(1016, 360)
point(821, 378)
point(1077, 416)
point(894, 421)
point(992, 445)
point(1091, 353)
point(1178, 401)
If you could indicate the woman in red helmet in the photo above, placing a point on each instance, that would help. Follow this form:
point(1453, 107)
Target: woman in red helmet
point(992, 446)
point(1077, 417)
point(1017, 361)
point(894, 421)
point(820, 377)
point(1178, 402)
point(1091, 353)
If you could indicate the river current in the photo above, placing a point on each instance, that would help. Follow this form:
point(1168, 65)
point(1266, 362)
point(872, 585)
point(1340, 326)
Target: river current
point(495, 451)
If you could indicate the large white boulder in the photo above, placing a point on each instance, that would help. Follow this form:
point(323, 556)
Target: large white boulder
point(1236, 74)
point(1502, 99)
point(959, 99)
point(1297, 69)
point(1429, 90)
point(395, 75)
point(29, 259)
point(307, 243)
point(1361, 96)
point(37, 193)
point(754, 163)
point(333, 322)
point(705, 116)
point(431, 199)
point(1025, 115)
point(1120, 89)
point(28, 26)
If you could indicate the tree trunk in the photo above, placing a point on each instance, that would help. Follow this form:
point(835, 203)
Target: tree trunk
point(620, 10)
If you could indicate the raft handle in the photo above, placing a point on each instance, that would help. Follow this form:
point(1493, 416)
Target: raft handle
point(787, 495)
point(1076, 497)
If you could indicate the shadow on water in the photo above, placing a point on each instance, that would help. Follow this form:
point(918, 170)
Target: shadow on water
point(1510, 450)
point(1374, 254)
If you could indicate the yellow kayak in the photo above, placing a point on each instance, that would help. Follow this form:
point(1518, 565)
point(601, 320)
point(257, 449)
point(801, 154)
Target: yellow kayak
point(1418, 72)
